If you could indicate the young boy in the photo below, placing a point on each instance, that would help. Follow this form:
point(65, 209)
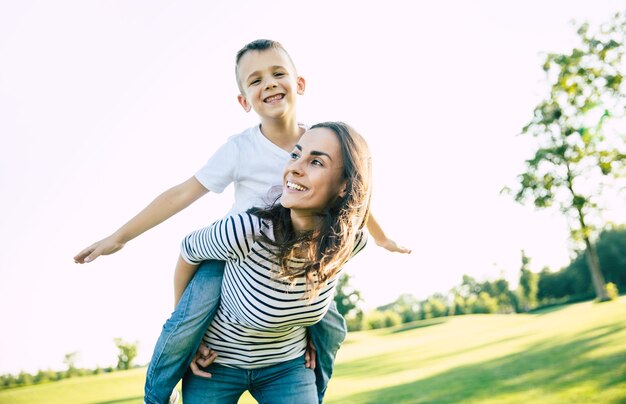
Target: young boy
point(253, 160)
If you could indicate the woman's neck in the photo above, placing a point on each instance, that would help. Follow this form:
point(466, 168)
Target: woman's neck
point(303, 222)
point(283, 133)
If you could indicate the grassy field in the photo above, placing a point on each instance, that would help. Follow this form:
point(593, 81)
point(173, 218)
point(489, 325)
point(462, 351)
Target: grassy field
point(567, 354)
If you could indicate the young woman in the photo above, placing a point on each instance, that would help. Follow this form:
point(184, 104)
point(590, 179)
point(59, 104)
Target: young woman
point(282, 265)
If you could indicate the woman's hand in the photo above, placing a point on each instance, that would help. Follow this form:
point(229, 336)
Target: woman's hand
point(204, 357)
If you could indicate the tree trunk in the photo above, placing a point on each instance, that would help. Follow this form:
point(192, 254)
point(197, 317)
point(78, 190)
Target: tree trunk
point(596, 274)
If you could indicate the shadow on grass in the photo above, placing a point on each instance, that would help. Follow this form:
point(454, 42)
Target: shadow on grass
point(122, 400)
point(381, 365)
point(550, 309)
point(545, 368)
point(418, 324)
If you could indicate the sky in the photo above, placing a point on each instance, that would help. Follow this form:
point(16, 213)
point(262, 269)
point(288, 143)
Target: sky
point(105, 104)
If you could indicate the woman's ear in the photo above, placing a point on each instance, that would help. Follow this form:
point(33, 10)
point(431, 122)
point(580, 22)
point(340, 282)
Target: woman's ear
point(343, 189)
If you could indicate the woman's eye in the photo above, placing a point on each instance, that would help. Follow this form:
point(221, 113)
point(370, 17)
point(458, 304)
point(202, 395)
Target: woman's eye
point(294, 156)
point(317, 162)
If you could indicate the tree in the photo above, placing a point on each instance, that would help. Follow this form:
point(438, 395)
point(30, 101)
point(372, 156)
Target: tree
point(70, 360)
point(347, 298)
point(579, 153)
point(528, 283)
point(574, 283)
point(127, 354)
point(483, 304)
point(406, 305)
point(435, 306)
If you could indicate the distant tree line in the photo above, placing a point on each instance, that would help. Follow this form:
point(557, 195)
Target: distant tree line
point(534, 290)
point(126, 356)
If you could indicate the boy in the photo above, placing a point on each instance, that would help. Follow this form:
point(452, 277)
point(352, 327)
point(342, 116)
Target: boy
point(253, 161)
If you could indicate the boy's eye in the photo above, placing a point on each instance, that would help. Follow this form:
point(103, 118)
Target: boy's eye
point(279, 74)
point(253, 82)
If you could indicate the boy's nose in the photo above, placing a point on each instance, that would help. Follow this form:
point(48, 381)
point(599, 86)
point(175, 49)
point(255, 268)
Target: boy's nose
point(270, 84)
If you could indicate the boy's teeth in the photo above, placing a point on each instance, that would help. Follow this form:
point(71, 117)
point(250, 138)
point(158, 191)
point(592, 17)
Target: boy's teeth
point(274, 97)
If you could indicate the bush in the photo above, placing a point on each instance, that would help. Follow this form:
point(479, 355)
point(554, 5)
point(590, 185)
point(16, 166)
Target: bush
point(611, 291)
point(380, 319)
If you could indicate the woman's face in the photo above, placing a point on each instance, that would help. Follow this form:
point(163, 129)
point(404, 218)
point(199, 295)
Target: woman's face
point(313, 176)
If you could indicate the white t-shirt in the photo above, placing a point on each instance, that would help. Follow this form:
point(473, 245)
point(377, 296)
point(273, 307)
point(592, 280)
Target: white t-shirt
point(253, 163)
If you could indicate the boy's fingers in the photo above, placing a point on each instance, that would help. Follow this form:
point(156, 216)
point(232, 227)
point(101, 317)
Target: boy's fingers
point(198, 372)
point(404, 250)
point(80, 257)
point(206, 361)
point(310, 354)
point(94, 254)
point(204, 350)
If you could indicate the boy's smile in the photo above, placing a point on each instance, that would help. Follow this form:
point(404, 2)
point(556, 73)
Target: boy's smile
point(269, 82)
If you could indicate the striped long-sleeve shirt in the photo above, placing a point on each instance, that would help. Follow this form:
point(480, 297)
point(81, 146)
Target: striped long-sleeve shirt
point(260, 320)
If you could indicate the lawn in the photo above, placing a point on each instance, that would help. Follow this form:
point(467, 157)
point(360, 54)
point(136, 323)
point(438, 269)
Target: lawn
point(573, 354)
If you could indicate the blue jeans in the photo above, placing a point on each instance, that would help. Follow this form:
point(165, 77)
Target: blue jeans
point(327, 336)
point(288, 382)
point(182, 334)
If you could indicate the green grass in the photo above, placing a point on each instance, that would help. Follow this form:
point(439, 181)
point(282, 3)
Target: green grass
point(576, 354)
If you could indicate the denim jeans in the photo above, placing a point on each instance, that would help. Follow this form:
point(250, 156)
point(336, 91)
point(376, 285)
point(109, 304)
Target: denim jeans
point(327, 336)
point(182, 333)
point(288, 382)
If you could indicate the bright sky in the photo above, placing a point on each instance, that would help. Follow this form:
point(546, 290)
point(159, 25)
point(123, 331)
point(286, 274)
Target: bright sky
point(105, 104)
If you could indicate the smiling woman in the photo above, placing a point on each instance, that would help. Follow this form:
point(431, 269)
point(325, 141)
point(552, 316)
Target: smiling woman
point(282, 266)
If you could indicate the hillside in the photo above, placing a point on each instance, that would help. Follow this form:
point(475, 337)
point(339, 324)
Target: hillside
point(571, 354)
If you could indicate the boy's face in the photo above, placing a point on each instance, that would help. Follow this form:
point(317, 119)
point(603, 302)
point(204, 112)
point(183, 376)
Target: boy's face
point(270, 84)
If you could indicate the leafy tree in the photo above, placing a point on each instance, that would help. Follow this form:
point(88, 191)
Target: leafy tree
point(579, 153)
point(483, 304)
point(24, 378)
point(611, 248)
point(380, 319)
point(70, 361)
point(406, 305)
point(347, 298)
point(435, 306)
point(528, 284)
point(573, 281)
point(127, 353)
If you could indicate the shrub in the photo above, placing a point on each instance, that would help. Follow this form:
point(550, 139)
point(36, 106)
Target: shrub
point(611, 291)
point(380, 319)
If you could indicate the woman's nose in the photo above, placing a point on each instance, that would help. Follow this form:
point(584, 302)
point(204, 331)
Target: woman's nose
point(295, 167)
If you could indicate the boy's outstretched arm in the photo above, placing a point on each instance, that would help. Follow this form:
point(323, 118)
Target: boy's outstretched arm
point(381, 238)
point(160, 209)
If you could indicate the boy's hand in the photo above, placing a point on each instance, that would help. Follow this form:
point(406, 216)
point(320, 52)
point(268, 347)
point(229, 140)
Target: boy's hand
point(105, 246)
point(392, 246)
point(204, 357)
point(310, 355)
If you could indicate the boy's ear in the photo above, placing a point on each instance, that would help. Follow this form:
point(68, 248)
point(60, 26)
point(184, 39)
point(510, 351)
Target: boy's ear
point(301, 83)
point(243, 101)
